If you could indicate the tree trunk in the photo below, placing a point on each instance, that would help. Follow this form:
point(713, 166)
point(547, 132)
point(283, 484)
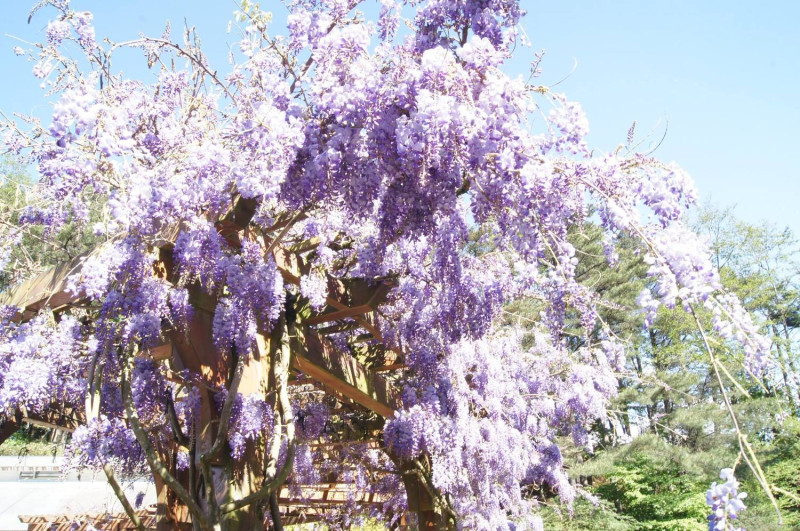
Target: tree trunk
point(9, 425)
point(790, 389)
point(229, 480)
point(418, 496)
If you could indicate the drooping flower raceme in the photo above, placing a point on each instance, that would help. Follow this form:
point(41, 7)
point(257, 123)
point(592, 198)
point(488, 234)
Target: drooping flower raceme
point(725, 501)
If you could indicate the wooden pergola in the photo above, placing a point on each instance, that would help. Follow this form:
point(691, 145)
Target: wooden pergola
point(84, 522)
point(360, 378)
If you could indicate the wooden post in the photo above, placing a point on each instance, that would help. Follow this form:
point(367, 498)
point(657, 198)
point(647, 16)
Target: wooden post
point(9, 425)
point(419, 500)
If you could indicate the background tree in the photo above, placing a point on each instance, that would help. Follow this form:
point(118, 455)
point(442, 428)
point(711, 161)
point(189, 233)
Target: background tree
point(28, 249)
point(760, 264)
point(678, 430)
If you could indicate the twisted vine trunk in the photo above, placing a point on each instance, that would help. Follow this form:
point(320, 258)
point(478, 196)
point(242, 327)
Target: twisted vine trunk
point(431, 510)
point(224, 493)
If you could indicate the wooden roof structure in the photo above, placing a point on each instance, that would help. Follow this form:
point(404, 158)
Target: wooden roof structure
point(121, 522)
point(85, 522)
point(358, 381)
point(351, 304)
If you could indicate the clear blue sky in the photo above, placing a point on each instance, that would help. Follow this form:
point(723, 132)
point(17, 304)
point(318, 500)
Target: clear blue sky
point(726, 75)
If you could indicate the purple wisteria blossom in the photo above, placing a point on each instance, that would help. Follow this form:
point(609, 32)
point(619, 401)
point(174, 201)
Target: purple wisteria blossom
point(725, 501)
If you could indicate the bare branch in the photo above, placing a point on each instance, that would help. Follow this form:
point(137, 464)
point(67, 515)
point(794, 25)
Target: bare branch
point(747, 450)
point(122, 498)
point(156, 465)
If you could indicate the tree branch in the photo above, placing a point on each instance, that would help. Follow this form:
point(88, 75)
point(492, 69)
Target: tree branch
point(281, 360)
point(175, 424)
point(150, 453)
point(122, 498)
point(744, 446)
point(222, 435)
point(275, 512)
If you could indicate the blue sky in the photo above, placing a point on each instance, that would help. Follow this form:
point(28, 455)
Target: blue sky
point(724, 75)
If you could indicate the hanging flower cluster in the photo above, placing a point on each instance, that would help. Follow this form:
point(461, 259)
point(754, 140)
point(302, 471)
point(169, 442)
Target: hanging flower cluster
point(725, 501)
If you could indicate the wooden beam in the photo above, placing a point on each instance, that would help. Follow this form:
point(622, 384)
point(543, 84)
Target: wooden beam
point(57, 415)
point(9, 424)
point(48, 288)
point(161, 352)
point(338, 315)
point(373, 444)
point(47, 424)
point(108, 522)
point(341, 372)
point(328, 495)
point(388, 367)
point(337, 328)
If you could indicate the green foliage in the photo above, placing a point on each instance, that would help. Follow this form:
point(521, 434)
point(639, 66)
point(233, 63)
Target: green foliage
point(659, 494)
point(761, 264)
point(31, 441)
point(670, 402)
point(586, 516)
point(35, 252)
point(782, 469)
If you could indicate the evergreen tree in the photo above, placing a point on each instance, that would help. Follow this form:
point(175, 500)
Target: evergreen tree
point(681, 433)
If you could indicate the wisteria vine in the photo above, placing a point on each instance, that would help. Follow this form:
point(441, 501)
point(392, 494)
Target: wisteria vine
point(375, 151)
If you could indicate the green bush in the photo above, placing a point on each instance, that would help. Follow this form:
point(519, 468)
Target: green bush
point(30, 442)
point(658, 494)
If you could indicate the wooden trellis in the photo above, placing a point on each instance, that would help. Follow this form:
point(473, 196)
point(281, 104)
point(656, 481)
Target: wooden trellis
point(351, 304)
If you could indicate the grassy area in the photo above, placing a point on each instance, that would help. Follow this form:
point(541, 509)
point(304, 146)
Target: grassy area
point(32, 442)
